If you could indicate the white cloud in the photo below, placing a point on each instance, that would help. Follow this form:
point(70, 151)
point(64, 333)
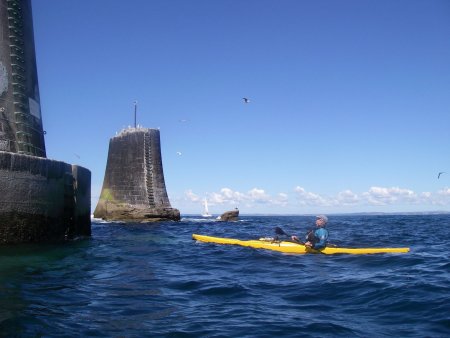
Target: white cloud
point(386, 196)
point(441, 198)
point(375, 196)
point(258, 195)
point(308, 198)
point(281, 199)
point(426, 194)
point(347, 197)
point(191, 196)
point(444, 192)
point(228, 196)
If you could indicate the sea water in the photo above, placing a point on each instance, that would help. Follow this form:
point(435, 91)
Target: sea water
point(153, 280)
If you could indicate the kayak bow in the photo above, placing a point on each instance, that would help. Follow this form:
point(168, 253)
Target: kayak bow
point(296, 248)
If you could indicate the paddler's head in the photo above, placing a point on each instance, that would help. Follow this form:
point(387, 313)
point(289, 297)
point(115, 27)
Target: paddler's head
point(321, 221)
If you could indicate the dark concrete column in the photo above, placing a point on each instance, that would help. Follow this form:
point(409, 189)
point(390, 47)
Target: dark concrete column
point(42, 200)
point(21, 128)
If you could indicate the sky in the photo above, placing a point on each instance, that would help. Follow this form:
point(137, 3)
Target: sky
point(349, 99)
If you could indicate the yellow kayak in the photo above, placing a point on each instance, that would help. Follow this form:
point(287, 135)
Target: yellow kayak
point(295, 248)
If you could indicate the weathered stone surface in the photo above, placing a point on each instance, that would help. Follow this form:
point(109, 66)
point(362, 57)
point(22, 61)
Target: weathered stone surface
point(42, 200)
point(134, 188)
point(82, 197)
point(230, 216)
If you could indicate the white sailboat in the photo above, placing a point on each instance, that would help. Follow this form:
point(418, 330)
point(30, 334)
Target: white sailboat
point(205, 209)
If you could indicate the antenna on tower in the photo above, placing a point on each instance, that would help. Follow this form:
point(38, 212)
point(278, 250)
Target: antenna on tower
point(135, 110)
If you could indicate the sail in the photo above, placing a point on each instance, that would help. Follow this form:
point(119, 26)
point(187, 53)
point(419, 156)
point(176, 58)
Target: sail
point(205, 209)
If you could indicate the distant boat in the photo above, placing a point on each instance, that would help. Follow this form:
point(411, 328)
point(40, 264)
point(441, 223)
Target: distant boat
point(205, 209)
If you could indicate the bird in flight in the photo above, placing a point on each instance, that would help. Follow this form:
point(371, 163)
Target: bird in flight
point(246, 100)
point(179, 153)
point(442, 172)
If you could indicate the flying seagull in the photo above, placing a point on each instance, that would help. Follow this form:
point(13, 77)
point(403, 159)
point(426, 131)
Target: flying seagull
point(442, 172)
point(246, 100)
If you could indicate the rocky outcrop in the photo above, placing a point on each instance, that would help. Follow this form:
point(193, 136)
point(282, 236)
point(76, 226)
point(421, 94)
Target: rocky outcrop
point(134, 213)
point(230, 216)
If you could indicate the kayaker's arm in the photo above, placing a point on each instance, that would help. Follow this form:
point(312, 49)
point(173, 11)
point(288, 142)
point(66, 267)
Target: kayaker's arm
point(320, 245)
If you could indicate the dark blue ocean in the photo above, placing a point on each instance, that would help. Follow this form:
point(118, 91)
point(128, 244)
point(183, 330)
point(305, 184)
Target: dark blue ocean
point(153, 280)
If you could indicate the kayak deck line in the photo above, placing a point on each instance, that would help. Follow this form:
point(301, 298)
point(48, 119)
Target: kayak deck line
point(291, 247)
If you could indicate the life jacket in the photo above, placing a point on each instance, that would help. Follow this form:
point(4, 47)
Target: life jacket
point(313, 239)
point(310, 237)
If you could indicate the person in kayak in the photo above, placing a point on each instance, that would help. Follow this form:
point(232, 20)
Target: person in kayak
point(318, 238)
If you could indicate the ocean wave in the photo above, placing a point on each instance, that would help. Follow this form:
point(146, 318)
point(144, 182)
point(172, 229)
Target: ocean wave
point(134, 279)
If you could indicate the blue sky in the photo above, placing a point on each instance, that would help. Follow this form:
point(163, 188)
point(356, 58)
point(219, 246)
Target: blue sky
point(349, 110)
